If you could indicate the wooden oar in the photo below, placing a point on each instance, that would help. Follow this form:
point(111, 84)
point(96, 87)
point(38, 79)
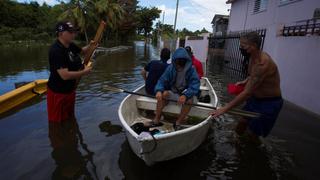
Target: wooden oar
point(92, 46)
point(233, 111)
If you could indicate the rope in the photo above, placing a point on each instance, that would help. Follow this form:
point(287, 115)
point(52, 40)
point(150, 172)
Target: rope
point(154, 146)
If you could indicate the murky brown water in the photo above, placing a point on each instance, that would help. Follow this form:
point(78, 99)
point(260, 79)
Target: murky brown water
point(98, 148)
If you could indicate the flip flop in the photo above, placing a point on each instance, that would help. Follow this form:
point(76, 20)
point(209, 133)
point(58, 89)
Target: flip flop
point(153, 124)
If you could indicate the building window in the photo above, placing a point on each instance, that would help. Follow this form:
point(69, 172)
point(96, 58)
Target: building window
point(260, 5)
point(284, 2)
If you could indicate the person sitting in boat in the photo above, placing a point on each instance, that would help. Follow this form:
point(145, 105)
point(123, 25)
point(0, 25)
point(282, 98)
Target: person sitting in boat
point(179, 82)
point(195, 62)
point(154, 69)
point(262, 91)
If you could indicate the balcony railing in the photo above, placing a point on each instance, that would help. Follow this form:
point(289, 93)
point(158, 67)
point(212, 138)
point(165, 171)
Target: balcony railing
point(303, 28)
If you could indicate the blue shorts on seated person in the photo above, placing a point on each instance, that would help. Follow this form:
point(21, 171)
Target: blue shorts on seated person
point(269, 109)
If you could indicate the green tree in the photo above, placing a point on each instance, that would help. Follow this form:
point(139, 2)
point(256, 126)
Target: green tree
point(127, 25)
point(145, 18)
point(163, 30)
point(111, 12)
point(79, 12)
point(204, 30)
point(185, 32)
point(31, 21)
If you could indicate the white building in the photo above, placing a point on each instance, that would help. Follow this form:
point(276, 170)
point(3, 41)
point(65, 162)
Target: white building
point(220, 24)
point(296, 52)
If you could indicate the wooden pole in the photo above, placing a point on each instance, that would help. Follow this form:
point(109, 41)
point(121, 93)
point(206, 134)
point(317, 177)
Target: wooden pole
point(96, 40)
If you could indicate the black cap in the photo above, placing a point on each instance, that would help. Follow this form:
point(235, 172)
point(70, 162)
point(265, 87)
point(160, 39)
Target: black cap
point(66, 26)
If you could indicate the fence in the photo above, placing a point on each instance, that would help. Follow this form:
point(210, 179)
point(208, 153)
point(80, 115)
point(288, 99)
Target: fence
point(303, 28)
point(224, 53)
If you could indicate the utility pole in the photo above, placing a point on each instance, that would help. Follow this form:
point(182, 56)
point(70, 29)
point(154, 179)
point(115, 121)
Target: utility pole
point(175, 19)
point(164, 12)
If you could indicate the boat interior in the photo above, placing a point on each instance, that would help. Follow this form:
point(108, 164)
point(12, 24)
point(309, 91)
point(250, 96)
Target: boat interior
point(145, 109)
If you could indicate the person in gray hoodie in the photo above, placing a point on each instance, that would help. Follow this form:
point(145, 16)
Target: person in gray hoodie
point(180, 82)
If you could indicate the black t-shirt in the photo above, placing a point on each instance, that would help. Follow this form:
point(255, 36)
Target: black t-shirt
point(62, 57)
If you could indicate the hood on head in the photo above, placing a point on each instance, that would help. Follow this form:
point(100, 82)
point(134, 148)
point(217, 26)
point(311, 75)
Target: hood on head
point(181, 53)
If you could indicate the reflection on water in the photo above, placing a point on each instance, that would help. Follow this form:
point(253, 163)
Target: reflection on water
point(109, 128)
point(21, 64)
point(106, 153)
point(66, 141)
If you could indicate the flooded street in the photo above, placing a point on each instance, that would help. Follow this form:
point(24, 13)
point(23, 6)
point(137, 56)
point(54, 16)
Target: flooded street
point(102, 151)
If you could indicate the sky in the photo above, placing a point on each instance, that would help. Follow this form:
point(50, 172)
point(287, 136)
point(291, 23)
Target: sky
point(192, 14)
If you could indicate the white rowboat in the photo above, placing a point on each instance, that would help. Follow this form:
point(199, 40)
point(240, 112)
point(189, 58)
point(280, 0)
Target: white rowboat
point(168, 145)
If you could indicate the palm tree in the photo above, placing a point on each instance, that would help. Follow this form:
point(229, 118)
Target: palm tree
point(110, 11)
point(86, 13)
point(79, 12)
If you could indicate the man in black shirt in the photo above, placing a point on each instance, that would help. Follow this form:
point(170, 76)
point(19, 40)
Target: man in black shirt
point(65, 70)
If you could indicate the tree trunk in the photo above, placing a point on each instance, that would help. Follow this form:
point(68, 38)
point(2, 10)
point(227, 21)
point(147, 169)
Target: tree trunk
point(117, 37)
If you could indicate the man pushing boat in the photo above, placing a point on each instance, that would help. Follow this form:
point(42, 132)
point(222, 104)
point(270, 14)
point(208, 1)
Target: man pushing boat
point(65, 70)
point(262, 90)
point(179, 82)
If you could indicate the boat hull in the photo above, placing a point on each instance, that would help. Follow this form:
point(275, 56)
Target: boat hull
point(22, 94)
point(165, 146)
point(169, 147)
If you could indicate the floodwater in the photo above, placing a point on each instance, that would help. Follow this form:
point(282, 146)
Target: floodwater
point(95, 147)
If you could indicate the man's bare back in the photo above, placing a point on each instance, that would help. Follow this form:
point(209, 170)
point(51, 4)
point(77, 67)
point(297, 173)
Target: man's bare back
point(264, 77)
point(262, 92)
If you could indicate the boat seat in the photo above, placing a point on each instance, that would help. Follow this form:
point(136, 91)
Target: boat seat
point(204, 88)
point(146, 99)
point(147, 103)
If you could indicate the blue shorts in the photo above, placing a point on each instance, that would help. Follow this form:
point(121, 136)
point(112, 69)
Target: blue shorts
point(269, 109)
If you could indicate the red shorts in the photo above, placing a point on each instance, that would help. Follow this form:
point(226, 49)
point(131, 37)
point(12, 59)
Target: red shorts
point(60, 106)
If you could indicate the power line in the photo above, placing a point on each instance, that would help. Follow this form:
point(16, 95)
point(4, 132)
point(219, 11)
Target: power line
point(196, 9)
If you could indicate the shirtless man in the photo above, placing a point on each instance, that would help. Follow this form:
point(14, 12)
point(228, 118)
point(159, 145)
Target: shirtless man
point(262, 90)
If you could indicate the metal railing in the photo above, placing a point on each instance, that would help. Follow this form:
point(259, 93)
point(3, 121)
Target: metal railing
point(303, 28)
point(224, 51)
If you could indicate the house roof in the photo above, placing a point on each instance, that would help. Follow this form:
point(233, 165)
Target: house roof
point(230, 1)
point(219, 17)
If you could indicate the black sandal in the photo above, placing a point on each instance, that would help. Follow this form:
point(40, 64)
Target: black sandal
point(153, 124)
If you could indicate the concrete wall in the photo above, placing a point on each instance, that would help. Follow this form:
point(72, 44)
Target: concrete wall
point(297, 57)
point(299, 65)
point(200, 49)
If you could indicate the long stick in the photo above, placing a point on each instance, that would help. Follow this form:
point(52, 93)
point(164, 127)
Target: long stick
point(233, 111)
point(96, 40)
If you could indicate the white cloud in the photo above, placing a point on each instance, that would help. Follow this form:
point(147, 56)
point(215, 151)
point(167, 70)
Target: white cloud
point(195, 14)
